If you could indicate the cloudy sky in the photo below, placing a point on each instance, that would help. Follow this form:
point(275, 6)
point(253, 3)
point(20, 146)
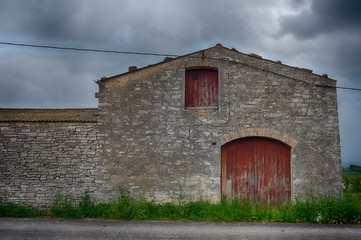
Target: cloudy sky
point(322, 35)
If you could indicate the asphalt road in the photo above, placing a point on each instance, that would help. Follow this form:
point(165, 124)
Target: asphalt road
point(107, 229)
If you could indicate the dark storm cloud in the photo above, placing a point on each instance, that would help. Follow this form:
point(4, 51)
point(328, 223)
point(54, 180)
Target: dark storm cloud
point(331, 29)
point(323, 35)
point(324, 16)
point(43, 19)
point(76, 22)
point(141, 25)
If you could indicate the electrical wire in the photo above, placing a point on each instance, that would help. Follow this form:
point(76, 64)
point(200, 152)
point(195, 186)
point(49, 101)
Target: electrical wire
point(167, 55)
point(88, 49)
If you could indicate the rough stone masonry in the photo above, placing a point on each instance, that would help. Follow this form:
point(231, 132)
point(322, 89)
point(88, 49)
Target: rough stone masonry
point(45, 152)
point(143, 138)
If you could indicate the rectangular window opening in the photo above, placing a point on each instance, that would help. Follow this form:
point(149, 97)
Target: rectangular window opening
point(201, 89)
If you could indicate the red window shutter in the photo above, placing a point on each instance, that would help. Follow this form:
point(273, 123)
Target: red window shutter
point(201, 88)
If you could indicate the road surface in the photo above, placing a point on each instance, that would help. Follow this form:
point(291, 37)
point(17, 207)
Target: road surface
point(45, 228)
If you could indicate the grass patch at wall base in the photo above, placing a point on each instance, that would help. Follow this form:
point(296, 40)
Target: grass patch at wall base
point(312, 210)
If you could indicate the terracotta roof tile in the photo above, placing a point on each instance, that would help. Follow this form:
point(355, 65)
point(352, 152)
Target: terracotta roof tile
point(48, 115)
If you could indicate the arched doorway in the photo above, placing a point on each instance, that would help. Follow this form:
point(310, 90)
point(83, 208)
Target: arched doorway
point(256, 167)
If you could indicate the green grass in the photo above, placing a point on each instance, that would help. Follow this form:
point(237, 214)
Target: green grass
point(15, 211)
point(312, 210)
point(346, 210)
point(350, 173)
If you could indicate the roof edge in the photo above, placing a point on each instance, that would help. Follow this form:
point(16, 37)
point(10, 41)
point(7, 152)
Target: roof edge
point(252, 55)
point(48, 115)
point(166, 60)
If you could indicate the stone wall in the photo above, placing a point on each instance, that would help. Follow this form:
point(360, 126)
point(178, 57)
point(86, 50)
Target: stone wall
point(143, 138)
point(156, 146)
point(39, 159)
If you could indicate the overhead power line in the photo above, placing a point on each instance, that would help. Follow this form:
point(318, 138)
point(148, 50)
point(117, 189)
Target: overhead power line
point(164, 55)
point(87, 49)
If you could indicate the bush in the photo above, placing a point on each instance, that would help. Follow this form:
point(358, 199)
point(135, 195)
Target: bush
point(352, 184)
point(63, 207)
point(13, 210)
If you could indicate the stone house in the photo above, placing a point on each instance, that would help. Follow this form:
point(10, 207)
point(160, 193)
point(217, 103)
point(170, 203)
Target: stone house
point(213, 123)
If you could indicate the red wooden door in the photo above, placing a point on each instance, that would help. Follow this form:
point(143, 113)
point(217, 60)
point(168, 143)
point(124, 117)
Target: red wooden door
point(256, 167)
point(201, 88)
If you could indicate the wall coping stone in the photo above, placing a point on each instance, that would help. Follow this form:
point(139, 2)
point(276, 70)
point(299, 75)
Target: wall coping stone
point(48, 115)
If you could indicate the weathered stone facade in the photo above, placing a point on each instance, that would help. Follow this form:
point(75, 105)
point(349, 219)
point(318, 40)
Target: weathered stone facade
point(156, 145)
point(143, 137)
point(39, 159)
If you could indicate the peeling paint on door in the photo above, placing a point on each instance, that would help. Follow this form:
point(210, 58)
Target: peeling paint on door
point(258, 168)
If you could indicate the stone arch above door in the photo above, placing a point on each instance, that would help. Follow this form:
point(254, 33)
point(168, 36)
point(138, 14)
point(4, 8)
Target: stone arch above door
point(258, 132)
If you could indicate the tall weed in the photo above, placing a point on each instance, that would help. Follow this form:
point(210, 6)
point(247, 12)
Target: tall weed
point(320, 209)
point(63, 206)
